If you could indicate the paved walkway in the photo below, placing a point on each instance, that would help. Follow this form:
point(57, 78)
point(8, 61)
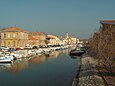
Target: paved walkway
point(88, 75)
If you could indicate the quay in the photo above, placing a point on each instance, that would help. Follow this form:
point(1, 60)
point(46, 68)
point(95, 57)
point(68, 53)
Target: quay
point(88, 74)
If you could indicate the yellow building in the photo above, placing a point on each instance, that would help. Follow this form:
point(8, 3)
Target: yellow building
point(13, 37)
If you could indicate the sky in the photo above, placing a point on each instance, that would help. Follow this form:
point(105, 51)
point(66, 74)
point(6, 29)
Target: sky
point(80, 18)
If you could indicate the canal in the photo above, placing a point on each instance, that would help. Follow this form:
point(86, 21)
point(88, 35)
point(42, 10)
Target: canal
point(55, 69)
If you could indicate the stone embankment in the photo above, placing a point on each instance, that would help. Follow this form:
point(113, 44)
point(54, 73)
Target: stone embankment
point(88, 75)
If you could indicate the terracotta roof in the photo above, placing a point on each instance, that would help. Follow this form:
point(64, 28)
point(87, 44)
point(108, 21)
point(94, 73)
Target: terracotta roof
point(14, 29)
point(107, 21)
point(30, 37)
point(37, 33)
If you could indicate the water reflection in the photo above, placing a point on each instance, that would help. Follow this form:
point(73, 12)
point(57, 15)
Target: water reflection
point(75, 57)
point(54, 69)
point(14, 67)
point(22, 64)
point(37, 59)
point(19, 65)
point(43, 57)
point(54, 54)
point(5, 66)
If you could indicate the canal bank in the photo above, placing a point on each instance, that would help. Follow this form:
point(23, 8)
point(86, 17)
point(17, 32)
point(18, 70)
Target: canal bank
point(87, 74)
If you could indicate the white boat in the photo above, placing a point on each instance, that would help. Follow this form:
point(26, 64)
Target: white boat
point(16, 55)
point(6, 58)
point(46, 50)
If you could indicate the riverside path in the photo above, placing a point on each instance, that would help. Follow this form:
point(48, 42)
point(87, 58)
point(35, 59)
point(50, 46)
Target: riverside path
point(88, 73)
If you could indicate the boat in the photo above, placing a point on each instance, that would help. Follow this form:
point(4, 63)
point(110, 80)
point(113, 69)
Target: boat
point(75, 57)
point(77, 53)
point(6, 58)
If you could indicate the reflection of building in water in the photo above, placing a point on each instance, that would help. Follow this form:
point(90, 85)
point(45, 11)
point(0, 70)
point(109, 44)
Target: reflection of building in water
point(54, 54)
point(37, 59)
point(5, 66)
point(14, 67)
point(67, 51)
point(19, 65)
point(22, 64)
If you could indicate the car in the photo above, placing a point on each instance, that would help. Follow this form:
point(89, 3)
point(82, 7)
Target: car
point(28, 47)
point(18, 48)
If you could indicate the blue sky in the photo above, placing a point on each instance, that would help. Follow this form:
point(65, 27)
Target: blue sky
point(80, 18)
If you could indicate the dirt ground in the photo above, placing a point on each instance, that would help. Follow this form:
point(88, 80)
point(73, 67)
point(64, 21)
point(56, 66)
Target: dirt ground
point(108, 77)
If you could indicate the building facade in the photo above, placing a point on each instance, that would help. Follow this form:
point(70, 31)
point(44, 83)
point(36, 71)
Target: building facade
point(107, 24)
point(69, 39)
point(32, 41)
point(13, 37)
point(52, 40)
point(39, 38)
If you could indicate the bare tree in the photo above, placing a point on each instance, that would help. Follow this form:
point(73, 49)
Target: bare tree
point(103, 45)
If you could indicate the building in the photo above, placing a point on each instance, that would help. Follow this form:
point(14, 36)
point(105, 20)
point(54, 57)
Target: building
point(13, 37)
point(39, 38)
point(69, 39)
point(73, 40)
point(52, 40)
point(107, 24)
point(32, 41)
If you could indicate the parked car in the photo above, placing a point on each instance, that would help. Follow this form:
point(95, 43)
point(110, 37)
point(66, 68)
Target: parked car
point(18, 48)
point(28, 47)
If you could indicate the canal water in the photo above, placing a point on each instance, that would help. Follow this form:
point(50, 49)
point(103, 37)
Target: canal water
point(55, 69)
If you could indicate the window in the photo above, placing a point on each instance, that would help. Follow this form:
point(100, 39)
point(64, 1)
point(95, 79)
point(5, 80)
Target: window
point(8, 35)
point(4, 35)
point(14, 35)
point(4, 43)
point(9, 44)
point(14, 44)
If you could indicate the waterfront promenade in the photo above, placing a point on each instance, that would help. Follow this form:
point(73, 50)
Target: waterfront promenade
point(88, 75)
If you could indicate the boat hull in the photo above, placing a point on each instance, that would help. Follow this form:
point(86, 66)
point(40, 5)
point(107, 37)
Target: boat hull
point(76, 53)
point(5, 61)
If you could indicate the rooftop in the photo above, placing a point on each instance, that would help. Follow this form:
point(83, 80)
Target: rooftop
point(107, 21)
point(30, 37)
point(16, 29)
point(36, 33)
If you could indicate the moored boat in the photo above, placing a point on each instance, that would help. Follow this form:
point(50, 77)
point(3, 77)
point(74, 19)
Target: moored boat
point(79, 51)
point(5, 59)
point(76, 53)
